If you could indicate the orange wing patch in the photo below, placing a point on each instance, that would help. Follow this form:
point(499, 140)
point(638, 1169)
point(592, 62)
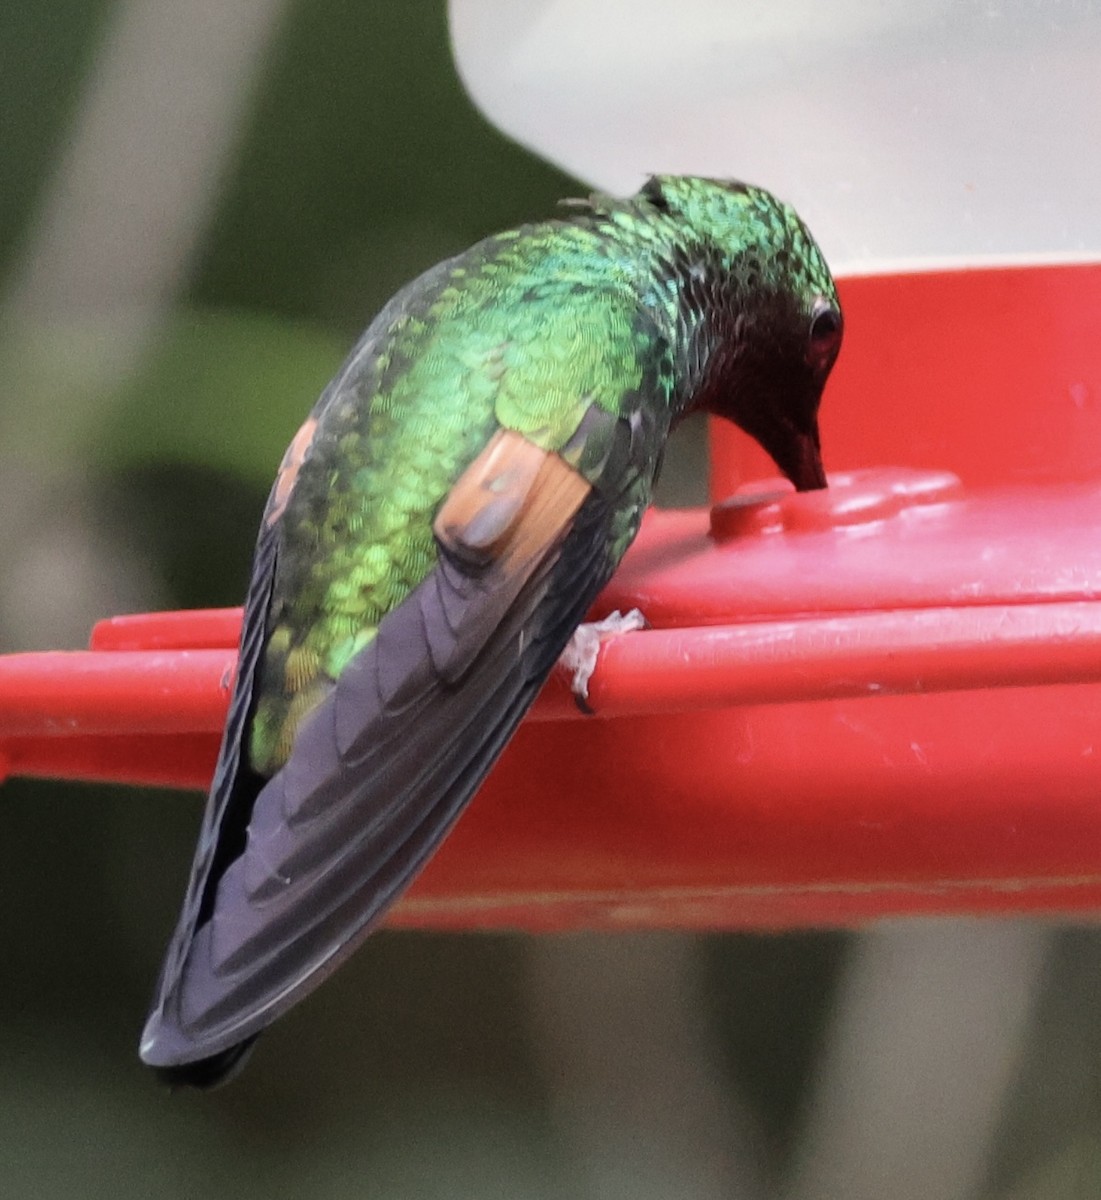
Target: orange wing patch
point(510, 504)
point(288, 470)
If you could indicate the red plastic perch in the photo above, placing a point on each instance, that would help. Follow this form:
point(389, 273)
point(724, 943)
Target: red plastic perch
point(877, 700)
point(130, 692)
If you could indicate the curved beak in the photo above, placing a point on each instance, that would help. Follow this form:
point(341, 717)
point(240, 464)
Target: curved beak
point(806, 470)
point(798, 454)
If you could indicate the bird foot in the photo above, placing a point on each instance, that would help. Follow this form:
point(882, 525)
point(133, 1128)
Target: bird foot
point(582, 650)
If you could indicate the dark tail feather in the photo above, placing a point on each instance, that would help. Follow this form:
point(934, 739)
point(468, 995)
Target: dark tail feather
point(208, 1073)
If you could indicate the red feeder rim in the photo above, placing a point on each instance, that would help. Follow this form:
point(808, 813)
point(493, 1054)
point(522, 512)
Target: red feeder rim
point(880, 699)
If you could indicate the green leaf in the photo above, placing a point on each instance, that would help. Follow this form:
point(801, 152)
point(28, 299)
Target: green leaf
point(221, 390)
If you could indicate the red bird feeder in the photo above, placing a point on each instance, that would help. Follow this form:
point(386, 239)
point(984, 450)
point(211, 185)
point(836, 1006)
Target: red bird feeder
point(876, 700)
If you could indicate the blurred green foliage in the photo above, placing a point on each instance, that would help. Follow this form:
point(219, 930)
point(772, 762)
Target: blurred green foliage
point(364, 164)
point(45, 49)
point(221, 390)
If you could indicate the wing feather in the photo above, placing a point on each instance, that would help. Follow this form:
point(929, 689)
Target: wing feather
point(234, 787)
point(383, 766)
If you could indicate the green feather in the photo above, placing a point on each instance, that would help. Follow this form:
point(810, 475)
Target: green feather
point(623, 306)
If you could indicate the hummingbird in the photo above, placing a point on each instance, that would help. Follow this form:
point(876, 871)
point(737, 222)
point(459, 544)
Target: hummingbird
point(437, 530)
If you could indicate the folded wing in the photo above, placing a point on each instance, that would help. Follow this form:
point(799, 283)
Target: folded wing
point(294, 872)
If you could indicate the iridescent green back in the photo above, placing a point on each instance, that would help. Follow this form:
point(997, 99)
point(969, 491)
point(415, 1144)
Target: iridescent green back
point(526, 331)
point(513, 333)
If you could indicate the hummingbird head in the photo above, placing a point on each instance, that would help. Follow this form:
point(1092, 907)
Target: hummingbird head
point(759, 312)
point(769, 374)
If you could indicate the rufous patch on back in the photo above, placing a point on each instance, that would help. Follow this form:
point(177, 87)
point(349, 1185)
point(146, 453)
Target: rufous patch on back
point(510, 504)
point(288, 470)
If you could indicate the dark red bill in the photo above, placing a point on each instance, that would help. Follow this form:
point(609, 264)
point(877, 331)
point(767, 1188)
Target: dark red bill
point(804, 468)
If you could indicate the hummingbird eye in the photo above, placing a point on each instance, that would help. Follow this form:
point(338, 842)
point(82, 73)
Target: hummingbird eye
point(825, 334)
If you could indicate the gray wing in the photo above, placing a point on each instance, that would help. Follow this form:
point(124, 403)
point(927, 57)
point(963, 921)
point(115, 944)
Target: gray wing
point(378, 774)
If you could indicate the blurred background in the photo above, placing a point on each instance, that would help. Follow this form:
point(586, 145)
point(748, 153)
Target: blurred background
point(202, 203)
